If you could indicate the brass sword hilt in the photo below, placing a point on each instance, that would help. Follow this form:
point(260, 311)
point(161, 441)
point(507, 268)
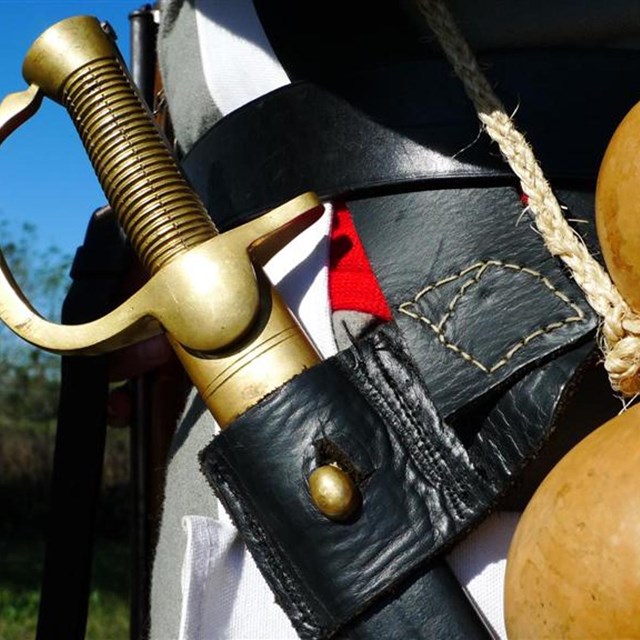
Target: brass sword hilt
point(227, 324)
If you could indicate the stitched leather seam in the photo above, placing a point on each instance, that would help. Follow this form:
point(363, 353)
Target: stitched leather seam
point(420, 448)
point(390, 416)
point(424, 448)
point(272, 557)
point(481, 268)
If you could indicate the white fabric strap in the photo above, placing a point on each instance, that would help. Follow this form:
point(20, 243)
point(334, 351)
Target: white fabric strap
point(479, 563)
point(238, 62)
point(301, 274)
point(220, 598)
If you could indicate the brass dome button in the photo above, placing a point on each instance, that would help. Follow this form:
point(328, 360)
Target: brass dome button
point(333, 492)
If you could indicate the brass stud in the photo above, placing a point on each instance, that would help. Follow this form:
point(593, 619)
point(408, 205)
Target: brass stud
point(333, 492)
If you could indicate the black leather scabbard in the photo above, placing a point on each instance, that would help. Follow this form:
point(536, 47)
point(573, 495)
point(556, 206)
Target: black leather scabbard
point(344, 406)
point(438, 412)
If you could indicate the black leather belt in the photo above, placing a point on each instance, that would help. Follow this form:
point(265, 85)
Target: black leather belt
point(410, 126)
point(442, 408)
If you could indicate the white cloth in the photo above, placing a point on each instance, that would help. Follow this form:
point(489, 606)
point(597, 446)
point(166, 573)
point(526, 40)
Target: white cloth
point(301, 274)
point(237, 59)
point(479, 562)
point(220, 596)
point(224, 595)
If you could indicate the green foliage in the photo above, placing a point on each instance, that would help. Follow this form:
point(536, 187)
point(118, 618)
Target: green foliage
point(29, 381)
point(29, 377)
point(41, 273)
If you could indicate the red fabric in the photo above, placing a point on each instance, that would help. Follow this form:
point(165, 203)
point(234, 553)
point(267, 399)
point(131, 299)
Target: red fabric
point(352, 284)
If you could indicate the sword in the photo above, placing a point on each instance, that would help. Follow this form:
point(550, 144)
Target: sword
point(228, 326)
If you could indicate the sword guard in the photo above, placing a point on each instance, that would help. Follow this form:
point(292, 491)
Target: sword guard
point(207, 298)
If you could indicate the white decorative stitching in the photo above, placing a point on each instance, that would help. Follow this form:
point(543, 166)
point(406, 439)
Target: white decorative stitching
point(481, 268)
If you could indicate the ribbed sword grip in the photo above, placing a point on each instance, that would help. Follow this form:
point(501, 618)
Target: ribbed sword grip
point(158, 210)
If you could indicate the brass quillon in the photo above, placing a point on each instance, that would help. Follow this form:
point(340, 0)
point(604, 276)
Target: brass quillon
point(232, 332)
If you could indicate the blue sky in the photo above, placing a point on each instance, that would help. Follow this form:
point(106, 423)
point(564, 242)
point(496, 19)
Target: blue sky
point(45, 177)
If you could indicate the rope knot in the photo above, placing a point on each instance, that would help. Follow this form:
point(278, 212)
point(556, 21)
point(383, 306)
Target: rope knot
point(622, 361)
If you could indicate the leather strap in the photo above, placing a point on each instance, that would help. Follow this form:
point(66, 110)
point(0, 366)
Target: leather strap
point(408, 126)
point(80, 437)
point(475, 292)
point(489, 333)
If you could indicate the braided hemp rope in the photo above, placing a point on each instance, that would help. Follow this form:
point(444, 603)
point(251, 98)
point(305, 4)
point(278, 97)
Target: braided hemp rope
point(620, 326)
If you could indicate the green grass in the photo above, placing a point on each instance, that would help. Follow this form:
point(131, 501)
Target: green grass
point(24, 479)
point(109, 598)
point(20, 575)
point(18, 613)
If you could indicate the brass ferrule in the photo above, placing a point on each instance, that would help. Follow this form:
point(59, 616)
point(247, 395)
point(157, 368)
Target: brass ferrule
point(232, 383)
